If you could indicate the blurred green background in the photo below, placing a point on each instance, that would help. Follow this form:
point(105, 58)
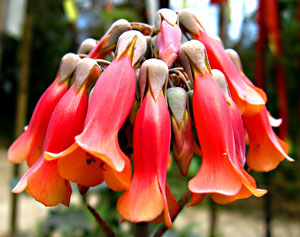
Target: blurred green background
point(49, 29)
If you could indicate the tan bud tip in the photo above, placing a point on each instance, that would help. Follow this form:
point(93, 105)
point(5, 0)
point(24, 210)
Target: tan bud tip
point(192, 55)
point(116, 29)
point(67, 66)
point(132, 43)
point(165, 14)
point(155, 73)
point(189, 21)
point(87, 69)
point(235, 59)
point(221, 80)
point(177, 100)
point(218, 40)
point(86, 46)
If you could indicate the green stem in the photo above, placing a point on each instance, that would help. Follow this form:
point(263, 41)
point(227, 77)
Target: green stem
point(104, 226)
point(181, 203)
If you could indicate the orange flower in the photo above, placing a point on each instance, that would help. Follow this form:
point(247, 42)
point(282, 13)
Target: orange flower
point(221, 173)
point(108, 42)
point(266, 150)
point(109, 105)
point(149, 198)
point(248, 98)
point(42, 180)
point(29, 145)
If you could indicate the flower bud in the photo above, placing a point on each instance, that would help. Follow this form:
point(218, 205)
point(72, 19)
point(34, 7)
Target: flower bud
point(132, 43)
point(220, 78)
point(182, 128)
point(67, 66)
point(108, 42)
point(235, 59)
point(193, 58)
point(189, 22)
point(116, 29)
point(86, 46)
point(177, 100)
point(87, 71)
point(153, 73)
point(167, 15)
point(169, 37)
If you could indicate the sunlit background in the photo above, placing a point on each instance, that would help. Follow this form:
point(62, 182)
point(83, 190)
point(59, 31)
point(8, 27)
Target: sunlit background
point(34, 35)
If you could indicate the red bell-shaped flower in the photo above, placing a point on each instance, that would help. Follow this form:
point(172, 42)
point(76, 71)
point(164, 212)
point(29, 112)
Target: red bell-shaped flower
point(111, 101)
point(149, 198)
point(79, 166)
point(221, 173)
point(42, 180)
point(108, 42)
point(29, 145)
point(236, 118)
point(266, 150)
point(248, 98)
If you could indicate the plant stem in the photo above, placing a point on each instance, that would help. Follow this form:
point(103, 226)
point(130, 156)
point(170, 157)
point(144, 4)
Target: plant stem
point(21, 104)
point(105, 227)
point(213, 218)
point(141, 229)
point(181, 203)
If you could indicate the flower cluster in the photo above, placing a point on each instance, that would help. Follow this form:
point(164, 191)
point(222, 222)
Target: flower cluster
point(192, 97)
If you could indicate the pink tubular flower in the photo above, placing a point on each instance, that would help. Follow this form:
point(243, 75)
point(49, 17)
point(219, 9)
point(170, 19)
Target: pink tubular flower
point(169, 37)
point(108, 42)
point(79, 166)
point(236, 118)
point(221, 173)
point(237, 62)
point(266, 150)
point(109, 105)
point(149, 198)
point(29, 145)
point(42, 180)
point(248, 98)
point(111, 101)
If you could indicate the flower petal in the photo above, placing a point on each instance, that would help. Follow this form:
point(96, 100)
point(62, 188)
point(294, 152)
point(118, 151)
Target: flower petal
point(266, 150)
point(29, 145)
point(109, 105)
point(81, 168)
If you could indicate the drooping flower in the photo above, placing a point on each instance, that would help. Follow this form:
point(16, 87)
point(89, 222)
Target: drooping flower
point(87, 46)
point(248, 98)
point(108, 42)
point(111, 101)
point(182, 128)
point(237, 62)
point(149, 198)
point(42, 180)
point(80, 166)
point(236, 118)
point(266, 149)
point(109, 105)
point(29, 145)
point(169, 37)
point(196, 146)
point(221, 173)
